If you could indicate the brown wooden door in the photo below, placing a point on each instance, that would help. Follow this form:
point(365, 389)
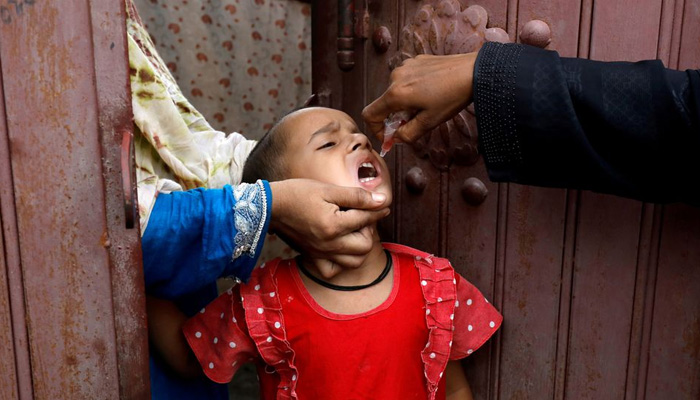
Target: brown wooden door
point(601, 295)
point(72, 315)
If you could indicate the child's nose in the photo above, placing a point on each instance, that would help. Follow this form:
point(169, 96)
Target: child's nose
point(359, 141)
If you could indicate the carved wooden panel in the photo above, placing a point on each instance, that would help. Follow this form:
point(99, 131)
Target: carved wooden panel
point(447, 27)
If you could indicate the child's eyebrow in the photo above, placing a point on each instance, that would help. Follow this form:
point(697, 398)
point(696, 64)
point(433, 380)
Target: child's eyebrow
point(330, 127)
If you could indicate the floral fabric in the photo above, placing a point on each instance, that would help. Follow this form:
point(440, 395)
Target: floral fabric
point(242, 63)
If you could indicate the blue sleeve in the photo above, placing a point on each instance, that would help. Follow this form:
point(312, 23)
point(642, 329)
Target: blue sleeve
point(197, 236)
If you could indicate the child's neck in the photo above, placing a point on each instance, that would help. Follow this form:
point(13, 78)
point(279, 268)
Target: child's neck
point(367, 294)
point(370, 268)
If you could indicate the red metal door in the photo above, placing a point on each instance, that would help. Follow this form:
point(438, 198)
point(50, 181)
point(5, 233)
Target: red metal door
point(601, 295)
point(71, 305)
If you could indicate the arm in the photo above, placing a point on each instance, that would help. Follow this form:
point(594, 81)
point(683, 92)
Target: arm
point(629, 129)
point(165, 323)
point(456, 385)
point(197, 236)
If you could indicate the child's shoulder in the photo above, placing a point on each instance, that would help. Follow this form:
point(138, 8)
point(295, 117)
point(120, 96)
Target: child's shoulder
point(268, 270)
point(401, 249)
point(423, 258)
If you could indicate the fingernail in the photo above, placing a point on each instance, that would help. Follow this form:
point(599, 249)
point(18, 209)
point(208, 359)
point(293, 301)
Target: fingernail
point(379, 197)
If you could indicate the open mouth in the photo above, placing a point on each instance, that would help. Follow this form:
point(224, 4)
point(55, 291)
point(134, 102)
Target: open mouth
point(366, 172)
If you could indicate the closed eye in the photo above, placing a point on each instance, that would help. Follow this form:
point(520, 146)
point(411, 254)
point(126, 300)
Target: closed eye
point(326, 145)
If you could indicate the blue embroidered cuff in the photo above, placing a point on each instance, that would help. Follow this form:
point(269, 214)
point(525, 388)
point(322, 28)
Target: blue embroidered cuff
point(252, 210)
point(250, 217)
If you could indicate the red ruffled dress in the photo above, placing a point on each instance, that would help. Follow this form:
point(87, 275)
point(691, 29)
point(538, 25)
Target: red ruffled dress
point(397, 350)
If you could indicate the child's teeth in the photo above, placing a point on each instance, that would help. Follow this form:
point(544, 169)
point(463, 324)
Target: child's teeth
point(363, 180)
point(368, 165)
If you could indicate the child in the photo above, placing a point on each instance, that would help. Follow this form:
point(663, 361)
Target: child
point(394, 328)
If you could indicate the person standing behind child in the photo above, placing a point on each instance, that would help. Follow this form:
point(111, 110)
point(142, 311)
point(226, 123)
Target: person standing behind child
point(395, 327)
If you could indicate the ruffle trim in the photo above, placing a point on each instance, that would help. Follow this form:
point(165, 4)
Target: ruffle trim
point(439, 286)
point(263, 314)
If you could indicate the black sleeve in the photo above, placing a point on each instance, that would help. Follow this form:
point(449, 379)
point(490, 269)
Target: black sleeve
point(629, 129)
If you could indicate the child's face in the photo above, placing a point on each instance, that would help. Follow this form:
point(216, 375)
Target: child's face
point(325, 144)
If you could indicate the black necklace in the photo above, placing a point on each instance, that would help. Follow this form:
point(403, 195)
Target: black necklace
point(329, 285)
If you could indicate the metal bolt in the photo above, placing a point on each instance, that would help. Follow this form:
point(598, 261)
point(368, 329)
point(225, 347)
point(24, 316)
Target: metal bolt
point(381, 38)
point(474, 191)
point(536, 33)
point(416, 180)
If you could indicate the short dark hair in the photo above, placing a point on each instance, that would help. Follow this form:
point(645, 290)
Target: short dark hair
point(266, 161)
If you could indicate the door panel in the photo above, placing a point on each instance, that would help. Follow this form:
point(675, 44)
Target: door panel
point(8, 376)
point(532, 279)
point(674, 348)
point(625, 30)
point(74, 264)
point(11, 334)
point(600, 294)
point(689, 53)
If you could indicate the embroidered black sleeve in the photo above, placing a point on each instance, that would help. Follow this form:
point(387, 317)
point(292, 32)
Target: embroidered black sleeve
point(629, 129)
point(494, 102)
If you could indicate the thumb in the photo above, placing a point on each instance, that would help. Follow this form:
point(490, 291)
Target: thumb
point(326, 268)
point(375, 113)
point(356, 198)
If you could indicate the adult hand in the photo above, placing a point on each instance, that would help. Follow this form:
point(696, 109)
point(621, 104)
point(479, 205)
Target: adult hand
point(326, 221)
point(432, 88)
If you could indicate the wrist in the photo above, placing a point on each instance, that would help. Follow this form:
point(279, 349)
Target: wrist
point(279, 191)
point(470, 63)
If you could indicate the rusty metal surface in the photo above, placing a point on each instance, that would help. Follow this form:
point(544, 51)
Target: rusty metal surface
point(121, 239)
point(8, 374)
point(626, 30)
point(16, 375)
point(686, 36)
point(674, 343)
point(8, 238)
point(68, 93)
point(603, 290)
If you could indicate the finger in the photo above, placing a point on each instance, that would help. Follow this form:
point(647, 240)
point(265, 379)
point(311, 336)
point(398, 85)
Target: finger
point(348, 261)
point(375, 114)
point(412, 130)
point(326, 268)
point(353, 220)
point(357, 243)
point(355, 198)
